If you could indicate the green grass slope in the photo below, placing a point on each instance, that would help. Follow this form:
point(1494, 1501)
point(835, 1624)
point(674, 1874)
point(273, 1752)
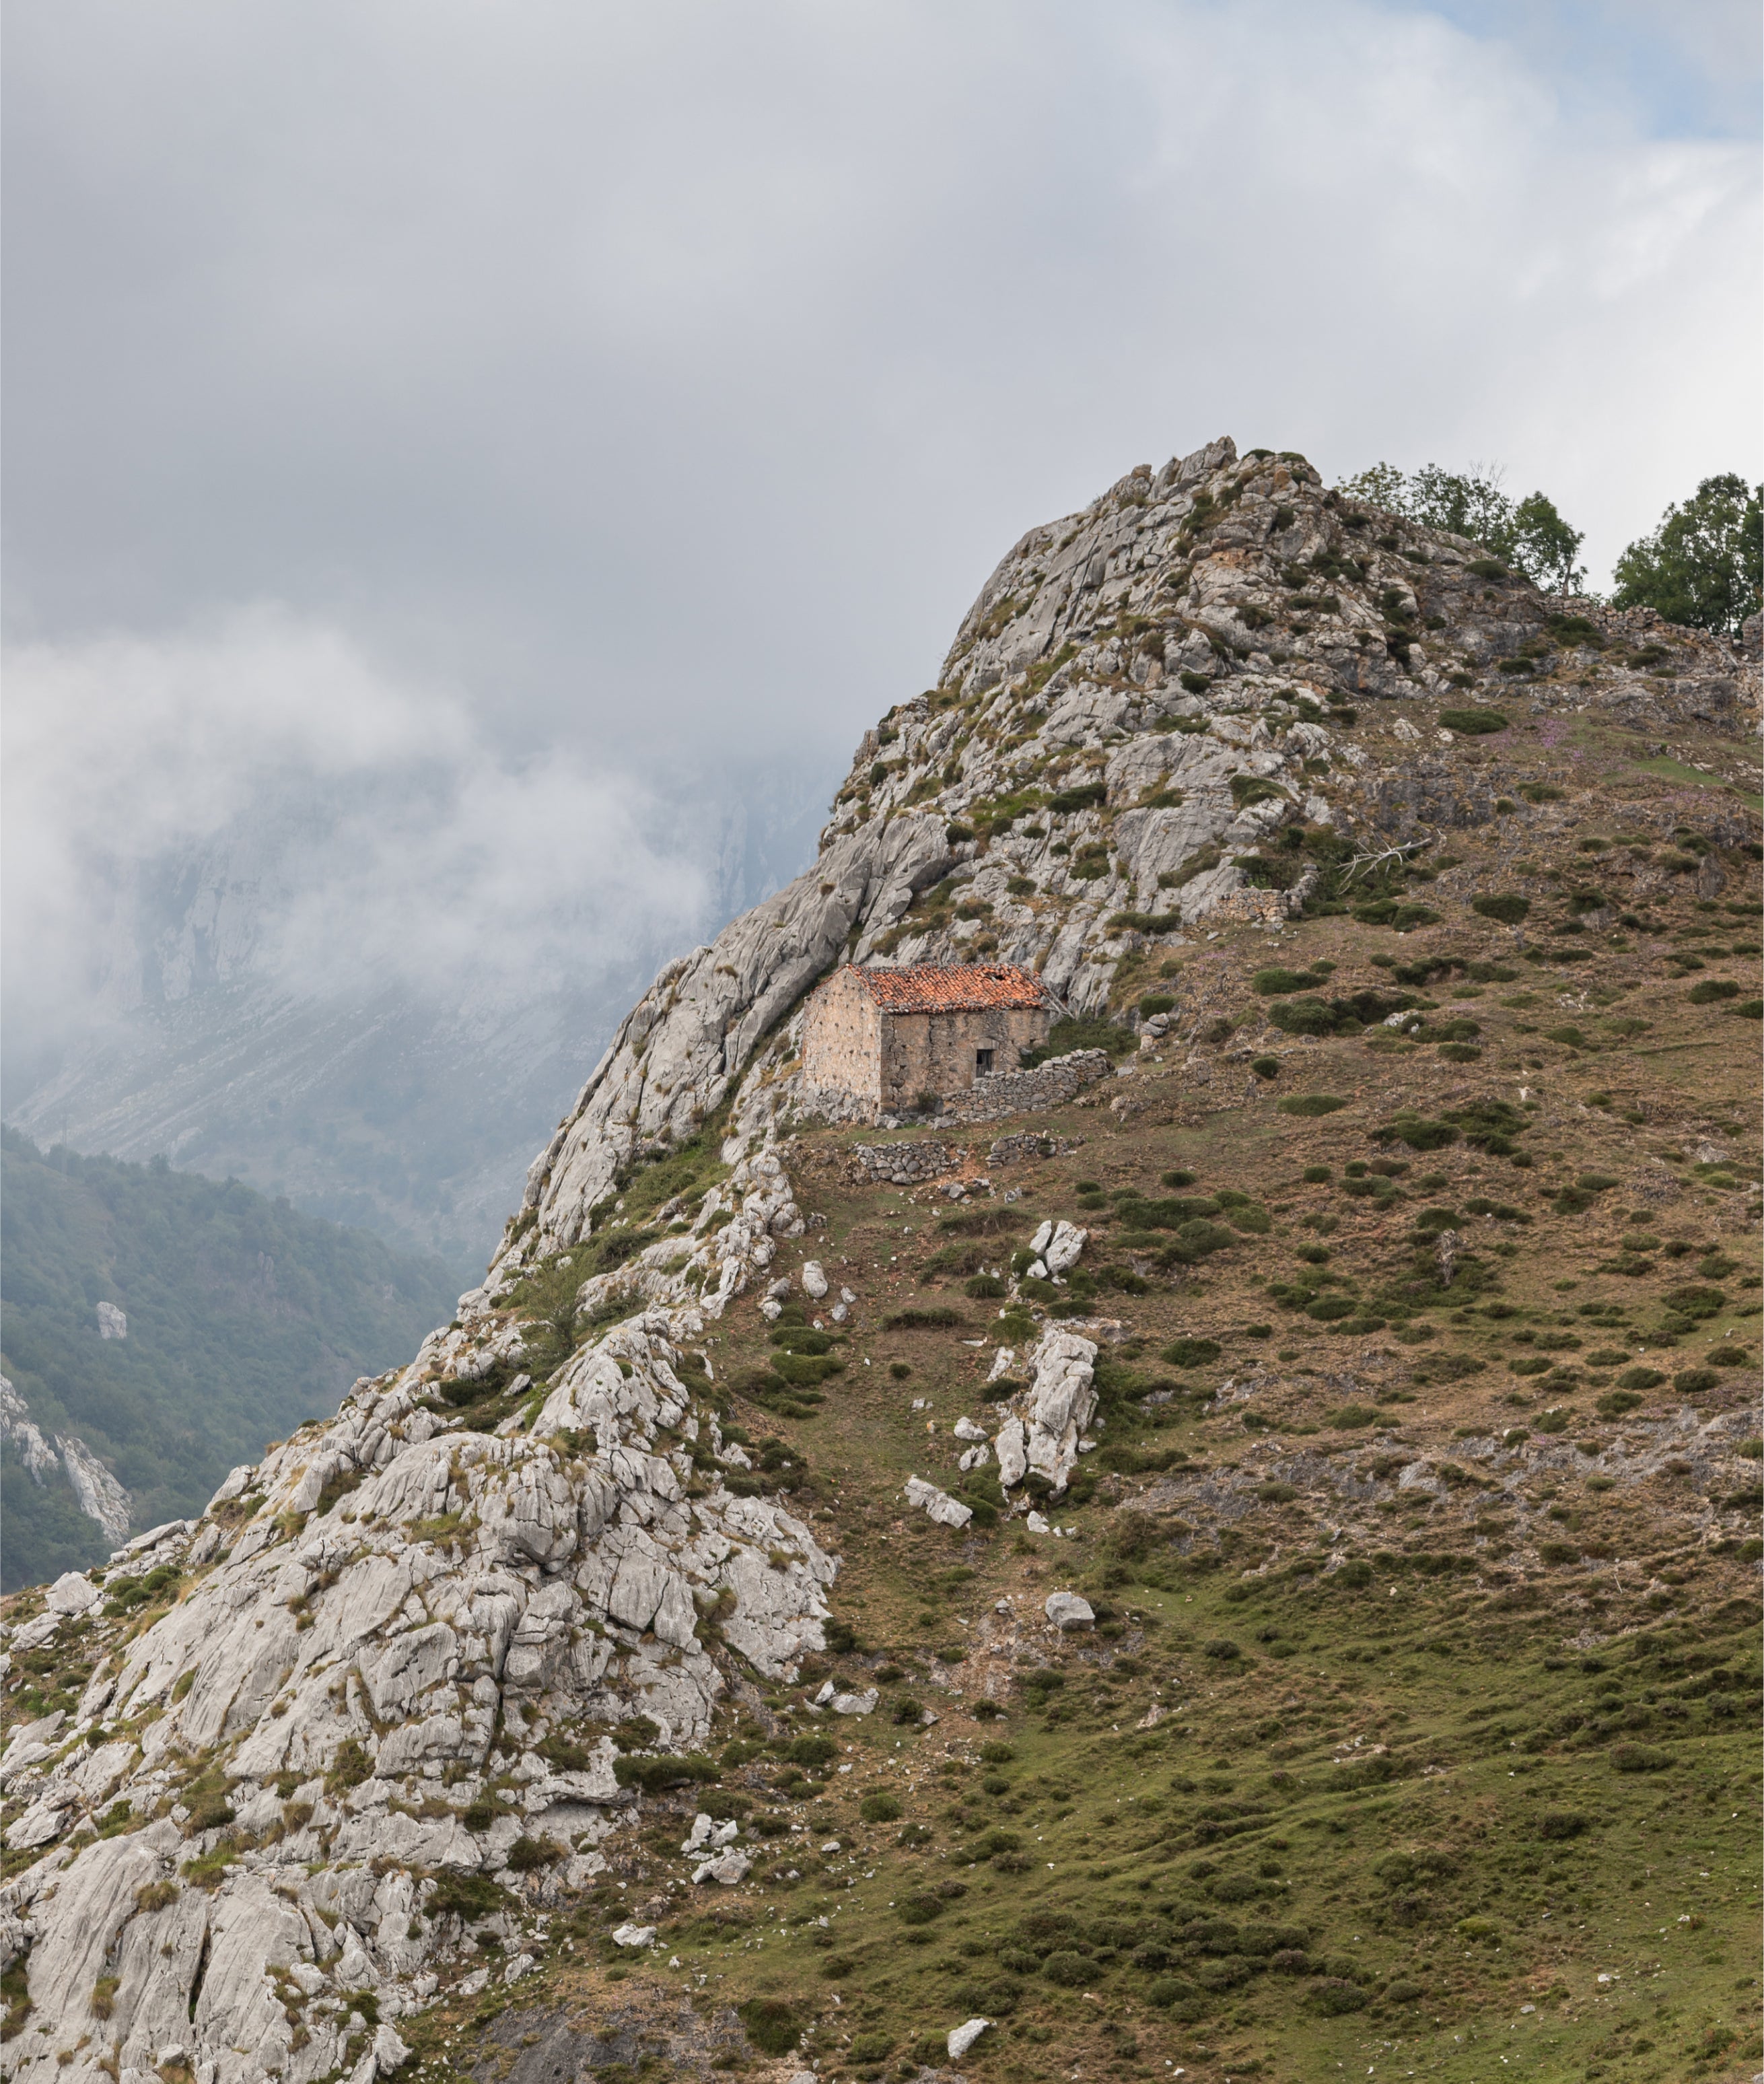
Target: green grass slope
point(244, 1318)
point(1416, 1736)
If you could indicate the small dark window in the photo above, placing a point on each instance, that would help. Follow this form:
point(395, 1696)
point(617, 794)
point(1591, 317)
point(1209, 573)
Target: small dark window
point(982, 1063)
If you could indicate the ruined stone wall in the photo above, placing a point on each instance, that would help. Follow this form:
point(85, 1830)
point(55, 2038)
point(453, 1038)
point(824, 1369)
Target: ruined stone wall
point(1052, 1084)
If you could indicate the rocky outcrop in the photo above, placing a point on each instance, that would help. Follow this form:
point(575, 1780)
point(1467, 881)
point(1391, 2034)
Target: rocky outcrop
point(404, 1642)
point(1044, 1423)
point(1142, 696)
point(96, 1492)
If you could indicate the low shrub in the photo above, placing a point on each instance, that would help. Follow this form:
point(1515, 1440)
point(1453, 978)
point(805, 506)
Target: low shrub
point(1070, 1971)
point(1332, 1997)
point(772, 2024)
point(1311, 1104)
point(1171, 1990)
point(1508, 906)
point(1190, 1352)
point(1640, 1758)
point(654, 1774)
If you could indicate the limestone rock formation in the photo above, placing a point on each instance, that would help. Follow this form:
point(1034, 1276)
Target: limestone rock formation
point(410, 1646)
point(96, 1492)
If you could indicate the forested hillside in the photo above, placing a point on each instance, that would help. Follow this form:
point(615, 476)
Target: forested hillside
point(242, 1319)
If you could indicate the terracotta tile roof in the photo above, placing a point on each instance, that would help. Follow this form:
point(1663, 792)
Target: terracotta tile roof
point(927, 988)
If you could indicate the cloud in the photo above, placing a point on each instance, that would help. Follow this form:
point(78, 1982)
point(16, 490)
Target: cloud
point(258, 799)
point(658, 384)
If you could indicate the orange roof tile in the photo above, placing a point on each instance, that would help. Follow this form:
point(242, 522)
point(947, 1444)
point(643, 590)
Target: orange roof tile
point(928, 988)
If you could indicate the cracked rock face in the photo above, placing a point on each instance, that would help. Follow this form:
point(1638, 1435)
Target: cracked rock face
point(406, 1644)
point(1047, 1419)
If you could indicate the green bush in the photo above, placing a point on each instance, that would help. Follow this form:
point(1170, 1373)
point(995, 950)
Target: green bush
point(919, 1908)
point(878, 1808)
point(1190, 1352)
point(1169, 1990)
point(1265, 1067)
point(1639, 1377)
point(1310, 1104)
point(467, 1897)
point(1713, 988)
point(1418, 1132)
point(812, 1750)
point(1694, 1381)
point(655, 1774)
point(1473, 722)
point(1508, 906)
point(1070, 1971)
point(1331, 1996)
point(1640, 1758)
point(772, 2024)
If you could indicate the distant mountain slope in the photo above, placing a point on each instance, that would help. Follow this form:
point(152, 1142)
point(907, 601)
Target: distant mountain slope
point(242, 1319)
point(413, 1111)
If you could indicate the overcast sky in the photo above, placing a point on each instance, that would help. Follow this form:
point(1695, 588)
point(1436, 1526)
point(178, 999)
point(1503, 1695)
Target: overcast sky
point(643, 392)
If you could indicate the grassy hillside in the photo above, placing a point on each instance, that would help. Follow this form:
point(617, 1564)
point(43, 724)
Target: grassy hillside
point(1416, 1734)
point(243, 1320)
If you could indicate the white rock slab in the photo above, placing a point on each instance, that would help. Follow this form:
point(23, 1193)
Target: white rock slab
point(937, 1505)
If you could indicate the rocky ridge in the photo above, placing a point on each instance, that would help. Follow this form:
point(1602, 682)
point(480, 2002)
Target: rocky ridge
point(412, 1649)
point(1143, 697)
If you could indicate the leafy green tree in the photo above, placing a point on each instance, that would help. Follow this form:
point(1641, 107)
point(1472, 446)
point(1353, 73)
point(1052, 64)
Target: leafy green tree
point(1382, 485)
point(1464, 503)
point(1544, 547)
point(1702, 566)
point(1531, 537)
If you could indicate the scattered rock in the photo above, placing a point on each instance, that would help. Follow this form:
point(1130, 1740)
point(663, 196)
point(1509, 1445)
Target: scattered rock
point(730, 1868)
point(937, 1505)
point(1067, 1610)
point(962, 2038)
point(72, 1594)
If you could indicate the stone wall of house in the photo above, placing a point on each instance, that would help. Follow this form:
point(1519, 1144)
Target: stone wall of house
point(937, 1053)
point(842, 1040)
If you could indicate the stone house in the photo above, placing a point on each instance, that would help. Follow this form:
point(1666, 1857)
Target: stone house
point(887, 1036)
